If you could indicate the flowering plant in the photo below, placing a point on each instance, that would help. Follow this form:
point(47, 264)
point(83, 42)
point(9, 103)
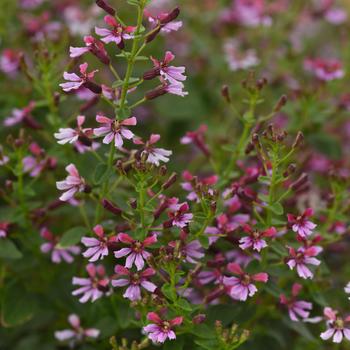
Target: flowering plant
point(188, 219)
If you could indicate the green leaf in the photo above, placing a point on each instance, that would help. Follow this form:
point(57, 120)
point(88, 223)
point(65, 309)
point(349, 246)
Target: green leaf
point(176, 344)
point(169, 292)
point(276, 208)
point(101, 173)
point(8, 249)
point(72, 236)
point(18, 306)
point(184, 304)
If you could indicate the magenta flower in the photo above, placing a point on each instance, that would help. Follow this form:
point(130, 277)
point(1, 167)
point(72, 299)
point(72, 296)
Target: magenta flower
point(92, 45)
point(238, 59)
point(136, 253)
point(197, 138)
point(296, 308)
point(75, 81)
point(10, 62)
point(58, 254)
point(325, 69)
point(93, 287)
point(301, 224)
point(134, 281)
point(160, 330)
point(204, 183)
point(301, 258)
point(179, 216)
point(77, 333)
point(4, 229)
point(239, 288)
point(152, 154)
point(37, 162)
point(72, 184)
point(165, 20)
point(174, 75)
point(225, 225)
point(336, 326)
point(97, 248)
point(255, 238)
point(117, 34)
point(190, 251)
point(114, 130)
point(23, 116)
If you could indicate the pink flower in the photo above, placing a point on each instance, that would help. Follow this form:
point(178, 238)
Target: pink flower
point(23, 116)
point(134, 281)
point(336, 326)
point(238, 59)
point(92, 45)
point(77, 333)
point(178, 216)
point(204, 183)
point(93, 287)
point(4, 229)
point(137, 253)
point(175, 89)
point(336, 16)
point(190, 251)
point(152, 154)
point(301, 258)
point(97, 248)
point(37, 162)
point(250, 13)
point(301, 224)
point(57, 253)
point(347, 289)
point(197, 137)
point(255, 239)
point(225, 225)
point(79, 136)
point(165, 20)
point(241, 287)
point(325, 69)
point(174, 75)
point(4, 159)
point(117, 34)
point(75, 81)
point(114, 130)
point(160, 330)
point(72, 184)
point(10, 62)
point(296, 308)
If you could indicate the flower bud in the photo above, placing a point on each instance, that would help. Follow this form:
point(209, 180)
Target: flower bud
point(152, 73)
point(198, 319)
point(108, 205)
point(225, 92)
point(105, 6)
point(157, 92)
point(281, 102)
point(298, 140)
point(93, 87)
point(171, 16)
point(133, 203)
point(296, 185)
point(171, 180)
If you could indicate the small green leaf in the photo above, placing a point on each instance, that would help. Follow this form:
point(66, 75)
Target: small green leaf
point(18, 306)
point(169, 292)
point(72, 236)
point(101, 173)
point(276, 208)
point(8, 249)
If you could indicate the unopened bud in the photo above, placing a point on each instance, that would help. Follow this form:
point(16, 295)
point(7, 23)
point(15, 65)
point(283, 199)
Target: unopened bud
point(152, 35)
point(157, 92)
point(198, 319)
point(301, 181)
point(93, 87)
point(105, 6)
point(225, 92)
point(108, 205)
point(171, 16)
point(133, 203)
point(298, 140)
point(171, 180)
point(163, 170)
point(281, 102)
point(151, 74)
point(290, 170)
